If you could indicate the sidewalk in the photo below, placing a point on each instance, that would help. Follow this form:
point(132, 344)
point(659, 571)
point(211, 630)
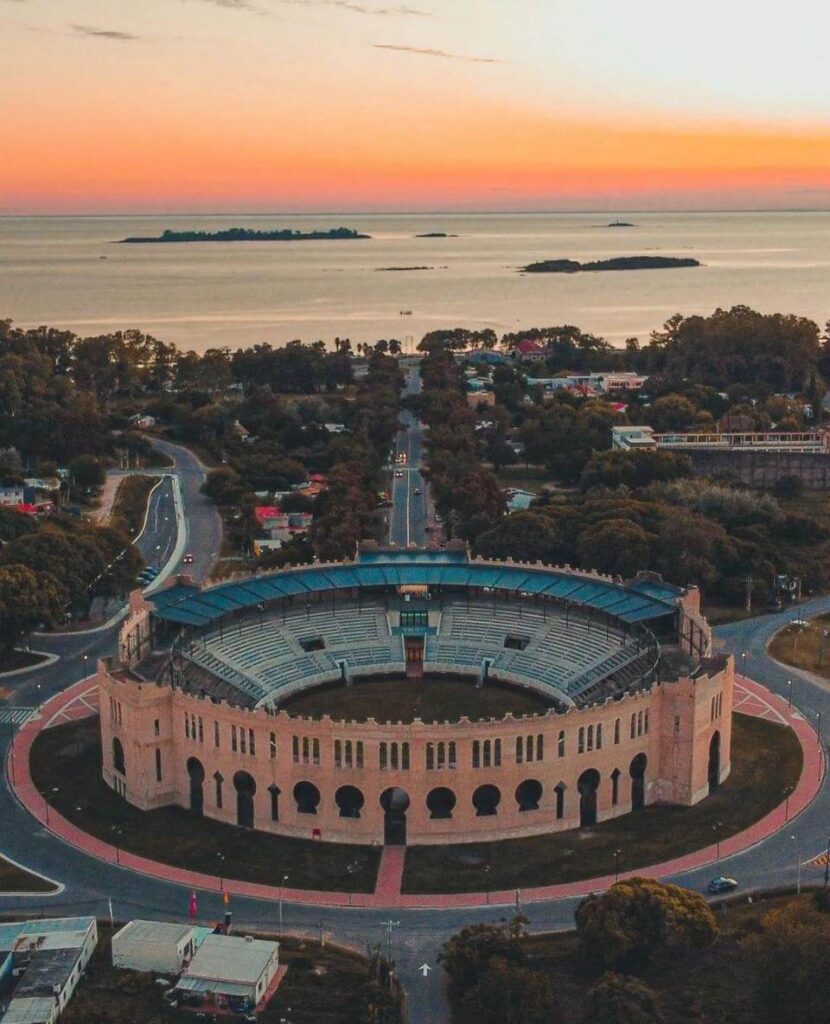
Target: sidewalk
point(78, 700)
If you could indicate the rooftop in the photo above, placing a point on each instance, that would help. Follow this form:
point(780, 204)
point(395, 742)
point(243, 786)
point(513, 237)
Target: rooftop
point(232, 958)
point(29, 1010)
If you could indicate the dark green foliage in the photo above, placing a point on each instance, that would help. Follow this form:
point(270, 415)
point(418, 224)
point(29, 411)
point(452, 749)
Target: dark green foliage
point(619, 999)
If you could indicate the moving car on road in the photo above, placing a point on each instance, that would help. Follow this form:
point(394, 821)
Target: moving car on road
point(721, 884)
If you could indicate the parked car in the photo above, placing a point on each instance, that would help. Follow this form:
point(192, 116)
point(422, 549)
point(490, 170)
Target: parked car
point(188, 559)
point(721, 884)
point(417, 490)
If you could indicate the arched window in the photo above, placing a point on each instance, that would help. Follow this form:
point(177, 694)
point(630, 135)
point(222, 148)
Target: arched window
point(645, 721)
point(599, 736)
point(350, 801)
point(430, 756)
point(307, 797)
point(529, 749)
point(580, 741)
point(348, 758)
point(359, 754)
point(405, 756)
point(118, 756)
point(476, 754)
point(440, 802)
point(273, 745)
point(616, 731)
point(540, 747)
point(218, 780)
point(338, 754)
point(497, 753)
point(486, 760)
point(519, 750)
point(615, 787)
point(560, 746)
point(486, 800)
point(451, 759)
point(274, 793)
point(590, 737)
point(633, 725)
point(528, 794)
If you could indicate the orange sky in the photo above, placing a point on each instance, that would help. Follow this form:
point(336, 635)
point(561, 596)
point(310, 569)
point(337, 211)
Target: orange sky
point(191, 104)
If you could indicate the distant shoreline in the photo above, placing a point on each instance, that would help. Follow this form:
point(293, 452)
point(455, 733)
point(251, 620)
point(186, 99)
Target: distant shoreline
point(170, 237)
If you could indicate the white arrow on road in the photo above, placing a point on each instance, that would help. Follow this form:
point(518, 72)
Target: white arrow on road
point(424, 969)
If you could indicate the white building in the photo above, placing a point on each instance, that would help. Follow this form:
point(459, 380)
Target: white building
point(633, 438)
point(156, 946)
point(40, 965)
point(229, 973)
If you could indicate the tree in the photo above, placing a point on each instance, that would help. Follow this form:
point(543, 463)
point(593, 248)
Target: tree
point(615, 546)
point(789, 487)
point(634, 469)
point(87, 471)
point(620, 999)
point(636, 918)
point(527, 536)
point(509, 994)
point(27, 600)
point(467, 956)
point(788, 960)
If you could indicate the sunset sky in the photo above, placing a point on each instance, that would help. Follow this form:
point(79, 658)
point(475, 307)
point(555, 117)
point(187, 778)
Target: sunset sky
point(307, 105)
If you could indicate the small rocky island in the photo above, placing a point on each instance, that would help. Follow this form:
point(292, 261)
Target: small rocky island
point(248, 235)
point(436, 234)
point(620, 224)
point(617, 263)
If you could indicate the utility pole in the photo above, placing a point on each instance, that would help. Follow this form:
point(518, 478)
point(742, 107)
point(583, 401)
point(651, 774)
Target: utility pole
point(750, 586)
point(389, 925)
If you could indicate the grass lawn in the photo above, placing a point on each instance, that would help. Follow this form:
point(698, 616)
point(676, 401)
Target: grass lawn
point(66, 765)
point(711, 985)
point(15, 879)
point(805, 646)
point(13, 661)
point(766, 758)
point(438, 699)
point(130, 503)
point(321, 986)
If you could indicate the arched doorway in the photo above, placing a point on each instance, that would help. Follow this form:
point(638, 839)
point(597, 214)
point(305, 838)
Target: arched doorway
point(714, 761)
point(197, 795)
point(245, 788)
point(528, 795)
point(588, 784)
point(350, 801)
point(395, 803)
point(440, 802)
point(637, 771)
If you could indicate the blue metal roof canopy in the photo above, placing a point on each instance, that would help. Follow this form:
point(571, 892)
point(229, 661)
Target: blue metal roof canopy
point(637, 601)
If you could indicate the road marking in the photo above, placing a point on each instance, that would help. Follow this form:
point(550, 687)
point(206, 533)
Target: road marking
point(14, 716)
point(424, 969)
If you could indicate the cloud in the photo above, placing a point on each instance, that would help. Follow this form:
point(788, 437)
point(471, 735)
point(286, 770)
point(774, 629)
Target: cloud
point(360, 8)
point(428, 51)
point(104, 33)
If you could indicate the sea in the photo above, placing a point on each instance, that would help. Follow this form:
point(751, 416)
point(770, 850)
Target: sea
point(69, 272)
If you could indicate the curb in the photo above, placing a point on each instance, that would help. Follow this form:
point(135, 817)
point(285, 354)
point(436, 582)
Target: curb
point(48, 659)
point(31, 800)
point(59, 886)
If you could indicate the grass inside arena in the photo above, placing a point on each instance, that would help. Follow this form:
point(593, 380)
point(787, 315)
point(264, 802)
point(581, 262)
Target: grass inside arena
point(436, 699)
point(766, 759)
point(66, 768)
point(15, 879)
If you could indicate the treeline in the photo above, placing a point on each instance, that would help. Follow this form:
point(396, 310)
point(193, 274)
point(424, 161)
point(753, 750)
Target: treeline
point(639, 949)
point(642, 510)
point(467, 497)
point(51, 570)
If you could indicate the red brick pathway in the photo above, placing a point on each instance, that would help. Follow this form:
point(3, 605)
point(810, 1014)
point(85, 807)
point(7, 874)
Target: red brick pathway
point(750, 697)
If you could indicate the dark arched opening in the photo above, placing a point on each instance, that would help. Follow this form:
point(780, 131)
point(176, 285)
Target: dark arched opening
point(245, 788)
point(307, 797)
point(588, 784)
point(714, 761)
point(118, 756)
point(637, 771)
point(559, 790)
point(528, 795)
point(440, 802)
point(395, 803)
point(197, 777)
point(350, 801)
point(486, 800)
point(274, 793)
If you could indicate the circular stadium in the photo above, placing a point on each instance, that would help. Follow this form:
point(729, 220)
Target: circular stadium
point(416, 697)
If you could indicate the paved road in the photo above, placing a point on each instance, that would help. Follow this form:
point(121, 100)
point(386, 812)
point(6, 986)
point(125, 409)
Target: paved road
point(407, 520)
point(416, 935)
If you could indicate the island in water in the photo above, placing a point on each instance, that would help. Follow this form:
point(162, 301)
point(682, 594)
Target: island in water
point(249, 235)
point(617, 263)
point(436, 234)
point(620, 224)
point(400, 269)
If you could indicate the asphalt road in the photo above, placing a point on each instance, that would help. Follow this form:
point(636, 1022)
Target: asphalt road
point(407, 519)
point(416, 935)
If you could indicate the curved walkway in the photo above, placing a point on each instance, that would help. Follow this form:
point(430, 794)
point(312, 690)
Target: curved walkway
point(80, 700)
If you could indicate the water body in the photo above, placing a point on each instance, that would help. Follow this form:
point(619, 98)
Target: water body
point(65, 271)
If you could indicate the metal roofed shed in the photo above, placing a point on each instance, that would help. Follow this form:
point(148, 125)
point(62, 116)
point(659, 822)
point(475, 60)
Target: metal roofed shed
point(229, 972)
point(31, 1010)
point(155, 946)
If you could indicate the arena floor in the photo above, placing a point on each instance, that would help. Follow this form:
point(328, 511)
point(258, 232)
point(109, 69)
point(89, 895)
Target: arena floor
point(432, 699)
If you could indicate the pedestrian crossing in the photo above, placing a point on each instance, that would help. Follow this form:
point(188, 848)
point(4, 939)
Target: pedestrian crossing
point(14, 716)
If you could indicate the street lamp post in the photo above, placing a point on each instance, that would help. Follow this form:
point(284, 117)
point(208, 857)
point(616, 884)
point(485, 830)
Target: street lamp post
point(797, 864)
point(827, 864)
point(790, 694)
point(221, 858)
point(787, 793)
point(716, 829)
point(617, 855)
point(282, 887)
point(743, 663)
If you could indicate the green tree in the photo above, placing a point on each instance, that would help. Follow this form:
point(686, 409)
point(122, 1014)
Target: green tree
point(27, 600)
point(615, 546)
point(509, 994)
point(620, 999)
point(467, 956)
point(628, 924)
point(87, 471)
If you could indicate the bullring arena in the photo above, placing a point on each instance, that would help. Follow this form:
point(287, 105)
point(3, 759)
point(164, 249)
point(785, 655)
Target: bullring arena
point(240, 701)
